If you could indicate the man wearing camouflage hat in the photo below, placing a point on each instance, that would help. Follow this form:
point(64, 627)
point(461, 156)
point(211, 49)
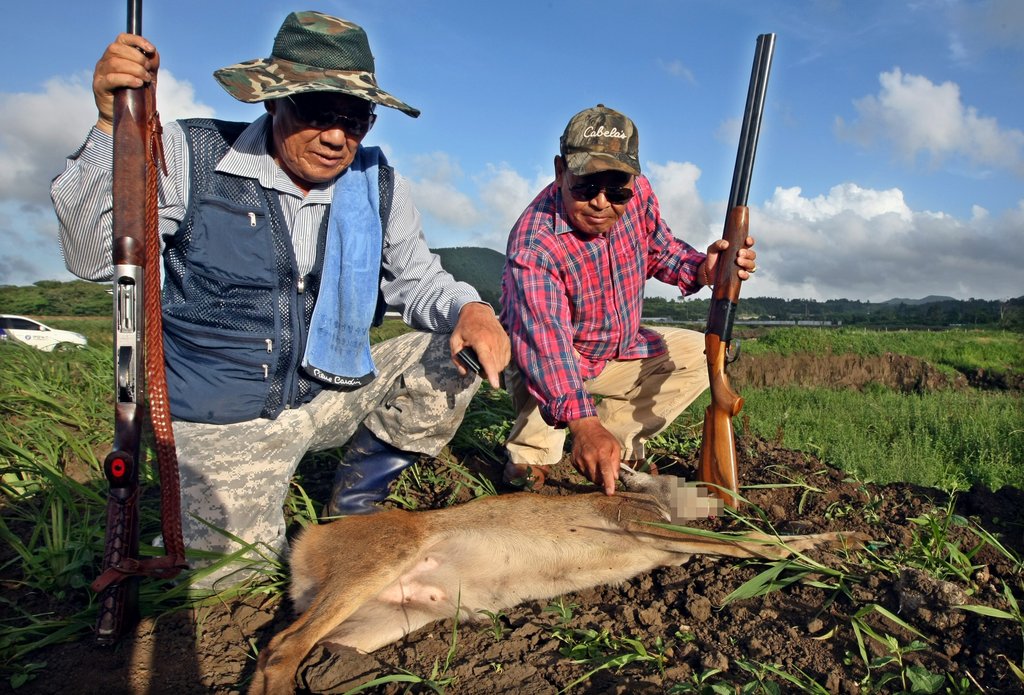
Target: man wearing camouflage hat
point(284, 239)
point(572, 296)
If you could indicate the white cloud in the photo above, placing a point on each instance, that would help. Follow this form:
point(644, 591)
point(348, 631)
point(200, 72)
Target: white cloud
point(482, 217)
point(504, 194)
point(446, 204)
point(675, 184)
point(729, 130)
point(850, 241)
point(789, 203)
point(677, 68)
point(918, 117)
point(435, 166)
point(434, 179)
point(28, 245)
point(177, 99)
point(37, 131)
point(979, 27)
point(866, 244)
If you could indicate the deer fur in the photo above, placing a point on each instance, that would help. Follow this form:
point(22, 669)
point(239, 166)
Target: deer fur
point(367, 581)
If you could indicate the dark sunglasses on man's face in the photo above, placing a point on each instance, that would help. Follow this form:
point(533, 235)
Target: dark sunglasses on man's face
point(616, 195)
point(315, 114)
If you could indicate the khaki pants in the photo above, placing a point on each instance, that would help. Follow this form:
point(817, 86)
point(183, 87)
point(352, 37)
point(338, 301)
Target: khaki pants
point(236, 477)
point(640, 398)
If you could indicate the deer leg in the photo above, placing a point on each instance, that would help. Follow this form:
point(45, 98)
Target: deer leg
point(347, 564)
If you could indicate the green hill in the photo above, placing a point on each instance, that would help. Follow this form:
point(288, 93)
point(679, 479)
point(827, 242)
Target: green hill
point(479, 267)
point(930, 299)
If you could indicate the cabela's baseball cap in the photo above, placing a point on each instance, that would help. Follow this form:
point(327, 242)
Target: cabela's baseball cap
point(598, 139)
point(313, 52)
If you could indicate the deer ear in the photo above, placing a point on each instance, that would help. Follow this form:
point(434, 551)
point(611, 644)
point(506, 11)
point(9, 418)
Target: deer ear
point(635, 481)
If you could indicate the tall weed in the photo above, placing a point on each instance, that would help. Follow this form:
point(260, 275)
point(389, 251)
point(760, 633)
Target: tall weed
point(934, 439)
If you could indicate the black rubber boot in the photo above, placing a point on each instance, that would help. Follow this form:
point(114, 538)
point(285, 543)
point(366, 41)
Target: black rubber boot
point(364, 474)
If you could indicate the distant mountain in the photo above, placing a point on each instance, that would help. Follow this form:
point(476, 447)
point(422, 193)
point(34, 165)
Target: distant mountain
point(477, 266)
point(930, 299)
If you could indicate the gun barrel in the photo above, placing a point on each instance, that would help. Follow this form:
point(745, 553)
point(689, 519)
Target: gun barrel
point(135, 17)
point(718, 464)
point(727, 281)
point(752, 114)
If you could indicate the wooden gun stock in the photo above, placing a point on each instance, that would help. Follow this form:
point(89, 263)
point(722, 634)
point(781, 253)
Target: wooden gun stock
point(718, 465)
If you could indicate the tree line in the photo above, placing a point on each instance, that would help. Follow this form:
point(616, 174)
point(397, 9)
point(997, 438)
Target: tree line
point(482, 268)
point(931, 312)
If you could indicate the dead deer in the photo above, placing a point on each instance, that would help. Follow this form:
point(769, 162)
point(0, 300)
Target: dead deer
point(367, 581)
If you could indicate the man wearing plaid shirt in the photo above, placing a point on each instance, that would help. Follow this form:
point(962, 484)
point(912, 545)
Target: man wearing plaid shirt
point(572, 297)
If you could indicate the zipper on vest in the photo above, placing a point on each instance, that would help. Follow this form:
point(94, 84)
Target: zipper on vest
point(266, 372)
point(300, 285)
point(270, 344)
point(252, 219)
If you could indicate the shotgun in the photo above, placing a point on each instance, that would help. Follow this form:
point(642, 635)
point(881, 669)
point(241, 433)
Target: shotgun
point(718, 464)
point(138, 360)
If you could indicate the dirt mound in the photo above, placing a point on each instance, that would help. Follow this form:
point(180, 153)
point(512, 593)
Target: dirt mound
point(906, 588)
point(899, 372)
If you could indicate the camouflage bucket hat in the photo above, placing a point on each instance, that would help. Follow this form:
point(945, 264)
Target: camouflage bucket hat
point(312, 52)
point(598, 139)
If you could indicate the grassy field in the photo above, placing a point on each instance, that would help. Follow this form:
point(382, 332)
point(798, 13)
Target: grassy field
point(943, 439)
point(56, 427)
point(946, 439)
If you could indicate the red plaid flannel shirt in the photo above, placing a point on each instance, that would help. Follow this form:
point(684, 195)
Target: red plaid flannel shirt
point(572, 301)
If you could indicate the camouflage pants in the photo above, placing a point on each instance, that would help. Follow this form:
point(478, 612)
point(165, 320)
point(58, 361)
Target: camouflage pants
point(640, 399)
point(235, 478)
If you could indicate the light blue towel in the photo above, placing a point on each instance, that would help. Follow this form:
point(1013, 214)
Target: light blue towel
point(338, 345)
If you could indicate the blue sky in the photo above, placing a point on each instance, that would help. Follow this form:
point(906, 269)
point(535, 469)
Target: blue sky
point(891, 160)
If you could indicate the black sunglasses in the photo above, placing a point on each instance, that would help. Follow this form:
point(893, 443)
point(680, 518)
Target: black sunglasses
point(616, 195)
point(316, 116)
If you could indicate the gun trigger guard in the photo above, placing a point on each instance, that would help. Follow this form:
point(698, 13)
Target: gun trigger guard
point(732, 353)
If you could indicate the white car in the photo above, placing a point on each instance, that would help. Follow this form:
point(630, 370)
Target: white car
point(38, 335)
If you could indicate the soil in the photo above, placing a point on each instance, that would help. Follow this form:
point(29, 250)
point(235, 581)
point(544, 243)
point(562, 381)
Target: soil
point(898, 372)
point(803, 630)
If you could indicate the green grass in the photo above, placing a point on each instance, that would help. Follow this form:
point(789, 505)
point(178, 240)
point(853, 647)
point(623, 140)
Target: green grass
point(936, 439)
point(55, 408)
point(56, 425)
